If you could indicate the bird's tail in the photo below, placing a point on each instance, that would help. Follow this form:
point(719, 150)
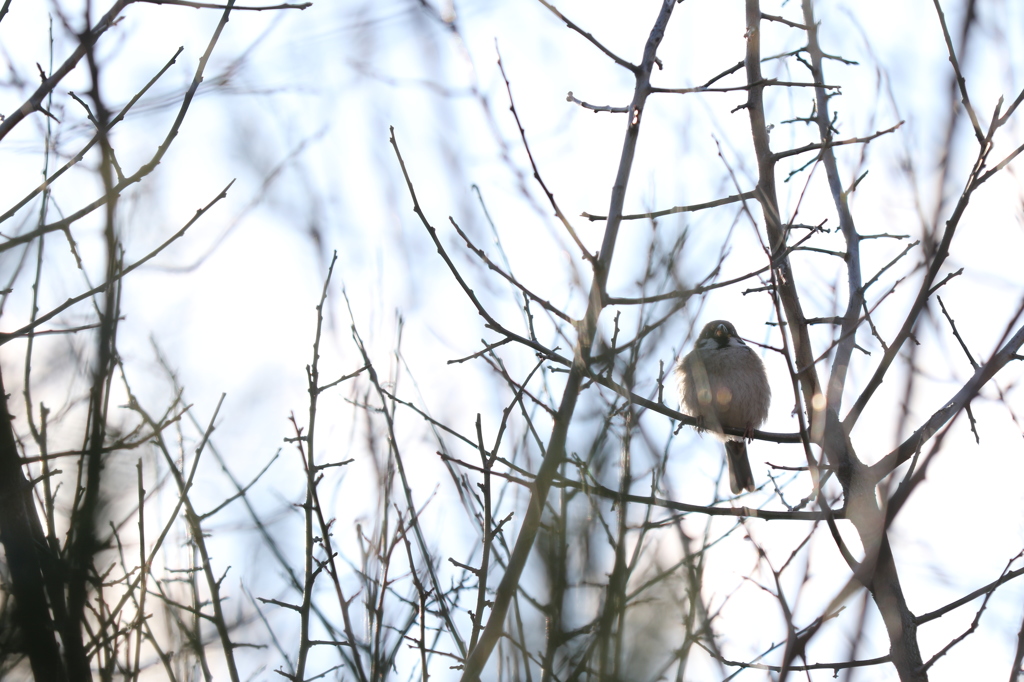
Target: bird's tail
point(740, 476)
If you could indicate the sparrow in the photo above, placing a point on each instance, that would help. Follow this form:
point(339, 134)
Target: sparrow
point(722, 382)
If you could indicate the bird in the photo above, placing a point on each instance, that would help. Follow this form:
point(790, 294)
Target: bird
point(722, 382)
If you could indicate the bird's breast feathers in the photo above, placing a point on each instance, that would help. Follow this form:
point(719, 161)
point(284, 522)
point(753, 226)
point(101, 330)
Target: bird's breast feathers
point(727, 383)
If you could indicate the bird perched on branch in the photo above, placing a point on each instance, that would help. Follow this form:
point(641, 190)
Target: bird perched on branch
point(722, 383)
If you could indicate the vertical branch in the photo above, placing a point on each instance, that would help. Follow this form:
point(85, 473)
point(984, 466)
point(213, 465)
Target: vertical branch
point(21, 544)
point(1018, 656)
point(899, 621)
point(618, 580)
point(311, 508)
point(414, 519)
point(198, 541)
point(557, 568)
point(485, 487)
point(194, 612)
point(878, 571)
point(212, 583)
point(581, 357)
point(421, 601)
point(49, 557)
point(847, 335)
point(768, 199)
point(143, 573)
point(857, 485)
point(83, 544)
point(961, 83)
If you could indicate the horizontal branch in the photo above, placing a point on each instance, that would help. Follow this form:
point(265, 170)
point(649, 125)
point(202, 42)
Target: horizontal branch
point(828, 145)
point(686, 293)
point(211, 5)
point(782, 20)
point(654, 501)
point(679, 209)
point(741, 88)
point(704, 287)
point(592, 107)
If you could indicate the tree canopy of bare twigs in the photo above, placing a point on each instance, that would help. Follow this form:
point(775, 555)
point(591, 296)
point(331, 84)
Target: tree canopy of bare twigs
point(446, 299)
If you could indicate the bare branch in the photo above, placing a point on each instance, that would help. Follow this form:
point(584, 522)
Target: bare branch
point(608, 53)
